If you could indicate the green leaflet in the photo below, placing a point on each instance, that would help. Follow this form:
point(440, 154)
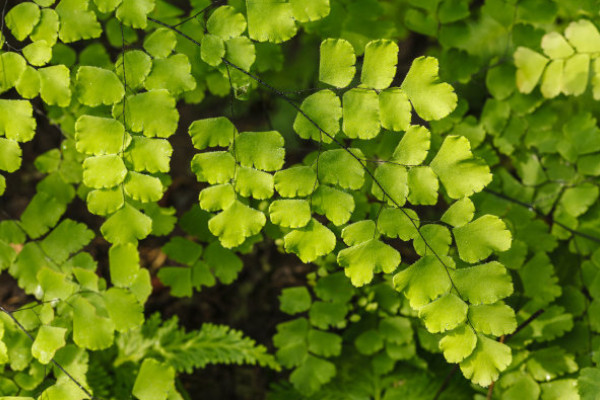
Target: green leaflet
point(160, 43)
point(498, 283)
point(226, 23)
point(363, 259)
point(42, 213)
point(459, 213)
point(398, 223)
point(413, 147)
point(124, 262)
point(444, 313)
point(324, 315)
point(22, 18)
point(103, 171)
point(217, 198)
point(342, 167)
point(539, 280)
point(261, 150)
point(250, 182)
point(240, 51)
point(575, 74)
point(369, 342)
point(588, 383)
point(530, 66)
point(123, 309)
point(296, 181)
point(423, 186)
point(460, 172)
point(486, 362)
point(236, 223)
point(154, 381)
point(433, 238)
point(16, 120)
point(425, 280)
point(212, 50)
point(324, 110)
point(335, 287)
point(212, 132)
point(359, 232)
point(54, 85)
point(142, 187)
point(431, 99)
point(38, 53)
point(312, 10)
point(458, 344)
point(172, 73)
point(134, 12)
point(107, 5)
point(391, 184)
point(556, 46)
point(77, 21)
point(47, 27)
point(379, 65)
point(310, 242)
point(10, 155)
point(225, 264)
point(126, 226)
point(12, 67)
point(313, 373)
point(182, 250)
point(337, 60)
point(47, 341)
point(270, 21)
point(394, 109)
point(90, 330)
point(478, 239)
point(105, 201)
point(335, 204)
point(54, 285)
point(153, 113)
point(134, 67)
point(360, 114)
point(290, 340)
point(324, 344)
point(584, 36)
point(67, 238)
point(99, 136)
point(295, 300)
point(152, 155)
point(28, 85)
point(493, 319)
point(290, 213)
point(96, 86)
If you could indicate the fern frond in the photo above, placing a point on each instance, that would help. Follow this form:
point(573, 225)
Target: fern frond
point(186, 351)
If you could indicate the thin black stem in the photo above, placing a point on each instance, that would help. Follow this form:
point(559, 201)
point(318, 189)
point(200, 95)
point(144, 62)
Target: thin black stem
point(541, 214)
point(205, 9)
point(524, 324)
point(60, 367)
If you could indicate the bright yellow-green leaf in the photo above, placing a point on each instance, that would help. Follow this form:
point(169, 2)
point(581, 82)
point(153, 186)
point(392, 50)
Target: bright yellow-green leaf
point(236, 223)
point(336, 65)
point(443, 314)
point(486, 362)
point(362, 260)
point(310, 242)
point(431, 98)
point(379, 65)
point(478, 239)
point(461, 173)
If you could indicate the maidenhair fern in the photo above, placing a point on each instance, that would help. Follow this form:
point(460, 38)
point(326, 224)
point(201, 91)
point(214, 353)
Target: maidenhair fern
point(447, 202)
